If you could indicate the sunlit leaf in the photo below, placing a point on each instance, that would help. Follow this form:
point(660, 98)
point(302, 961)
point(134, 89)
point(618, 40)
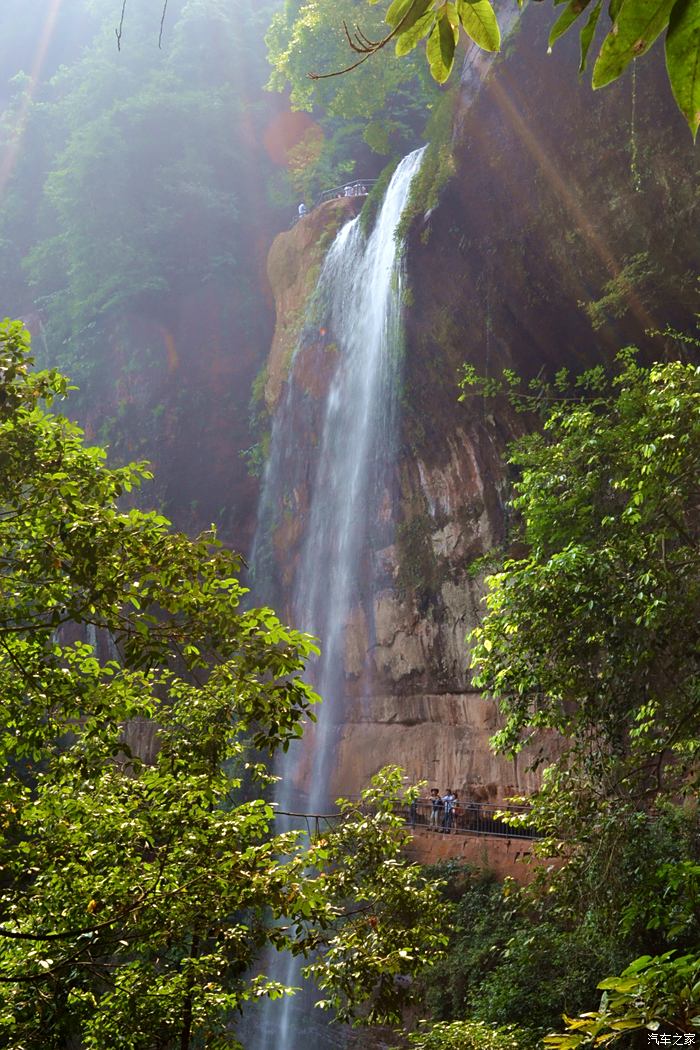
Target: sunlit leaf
point(480, 23)
point(683, 59)
point(407, 40)
point(637, 26)
point(440, 49)
point(569, 15)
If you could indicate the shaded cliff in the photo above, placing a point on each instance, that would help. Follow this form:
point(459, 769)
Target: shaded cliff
point(531, 244)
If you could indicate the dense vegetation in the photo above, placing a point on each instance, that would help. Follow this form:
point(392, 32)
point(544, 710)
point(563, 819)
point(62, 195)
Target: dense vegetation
point(142, 876)
point(106, 190)
point(135, 219)
point(591, 632)
point(139, 884)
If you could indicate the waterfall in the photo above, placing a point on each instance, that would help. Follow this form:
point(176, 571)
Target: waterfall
point(346, 479)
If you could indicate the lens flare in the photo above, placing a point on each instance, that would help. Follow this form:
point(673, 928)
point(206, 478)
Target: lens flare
point(9, 160)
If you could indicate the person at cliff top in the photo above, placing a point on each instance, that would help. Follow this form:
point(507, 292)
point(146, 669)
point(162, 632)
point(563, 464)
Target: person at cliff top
point(448, 801)
point(348, 191)
point(437, 806)
point(302, 210)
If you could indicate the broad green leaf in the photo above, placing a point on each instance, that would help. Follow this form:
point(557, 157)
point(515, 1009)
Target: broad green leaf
point(637, 26)
point(396, 11)
point(452, 16)
point(569, 15)
point(683, 59)
point(440, 49)
point(587, 34)
point(480, 23)
point(407, 40)
point(614, 9)
point(411, 11)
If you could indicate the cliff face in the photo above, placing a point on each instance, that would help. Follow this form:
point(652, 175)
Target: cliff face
point(539, 254)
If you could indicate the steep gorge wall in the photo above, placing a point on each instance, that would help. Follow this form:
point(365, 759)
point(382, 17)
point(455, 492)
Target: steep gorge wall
point(540, 253)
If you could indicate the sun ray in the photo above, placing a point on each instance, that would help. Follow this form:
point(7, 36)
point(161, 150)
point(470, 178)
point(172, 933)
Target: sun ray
point(8, 162)
point(569, 194)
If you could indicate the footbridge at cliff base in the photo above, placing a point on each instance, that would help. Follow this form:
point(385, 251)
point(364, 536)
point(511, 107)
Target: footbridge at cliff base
point(479, 837)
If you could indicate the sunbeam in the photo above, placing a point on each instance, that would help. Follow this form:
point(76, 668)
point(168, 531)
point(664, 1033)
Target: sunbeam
point(8, 162)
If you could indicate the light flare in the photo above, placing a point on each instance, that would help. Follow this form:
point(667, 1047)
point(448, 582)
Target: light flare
point(8, 162)
point(570, 196)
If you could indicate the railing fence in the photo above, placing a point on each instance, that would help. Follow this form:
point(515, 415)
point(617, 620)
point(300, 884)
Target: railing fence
point(470, 818)
point(355, 188)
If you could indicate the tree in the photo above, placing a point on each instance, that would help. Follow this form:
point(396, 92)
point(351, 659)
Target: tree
point(652, 994)
point(466, 1035)
point(380, 111)
point(592, 631)
point(139, 885)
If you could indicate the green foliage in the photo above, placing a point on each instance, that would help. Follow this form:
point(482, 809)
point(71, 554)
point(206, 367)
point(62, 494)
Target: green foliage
point(634, 26)
point(380, 110)
point(305, 29)
point(437, 166)
point(523, 955)
point(129, 171)
point(466, 1035)
point(515, 958)
point(649, 993)
point(439, 24)
point(593, 632)
point(635, 276)
point(669, 900)
point(140, 883)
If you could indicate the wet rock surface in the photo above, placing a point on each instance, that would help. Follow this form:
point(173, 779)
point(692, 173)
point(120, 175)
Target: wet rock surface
point(535, 258)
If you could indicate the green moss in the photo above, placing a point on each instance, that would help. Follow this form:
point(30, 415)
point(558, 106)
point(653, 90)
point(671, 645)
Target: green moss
point(256, 456)
point(257, 392)
point(437, 168)
point(445, 331)
point(636, 276)
point(375, 197)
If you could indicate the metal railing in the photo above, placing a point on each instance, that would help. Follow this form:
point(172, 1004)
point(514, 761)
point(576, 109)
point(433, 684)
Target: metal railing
point(469, 818)
point(356, 188)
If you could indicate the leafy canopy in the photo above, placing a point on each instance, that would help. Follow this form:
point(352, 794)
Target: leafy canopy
point(633, 28)
point(142, 872)
point(593, 630)
point(650, 993)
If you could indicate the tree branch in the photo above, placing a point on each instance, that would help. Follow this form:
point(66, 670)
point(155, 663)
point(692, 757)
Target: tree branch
point(120, 29)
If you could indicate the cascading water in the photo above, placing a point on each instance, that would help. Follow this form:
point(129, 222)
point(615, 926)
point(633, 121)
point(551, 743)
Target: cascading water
point(357, 303)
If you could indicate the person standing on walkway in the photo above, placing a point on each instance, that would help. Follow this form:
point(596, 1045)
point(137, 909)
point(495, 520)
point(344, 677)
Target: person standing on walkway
point(436, 809)
point(448, 801)
point(455, 813)
point(413, 813)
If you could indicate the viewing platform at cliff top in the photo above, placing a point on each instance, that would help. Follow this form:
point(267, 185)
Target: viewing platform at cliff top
point(355, 188)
